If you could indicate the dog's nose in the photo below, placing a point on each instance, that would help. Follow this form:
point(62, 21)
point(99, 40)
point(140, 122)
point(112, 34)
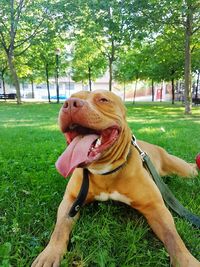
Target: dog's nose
point(73, 103)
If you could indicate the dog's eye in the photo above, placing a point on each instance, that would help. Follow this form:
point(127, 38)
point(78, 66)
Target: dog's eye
point(103, 100)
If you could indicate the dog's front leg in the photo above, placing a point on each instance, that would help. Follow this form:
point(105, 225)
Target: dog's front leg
point(162, 223)
point(57, 246)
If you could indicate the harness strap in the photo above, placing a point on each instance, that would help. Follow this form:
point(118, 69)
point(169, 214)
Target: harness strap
point(167, 195)
point(78, 203)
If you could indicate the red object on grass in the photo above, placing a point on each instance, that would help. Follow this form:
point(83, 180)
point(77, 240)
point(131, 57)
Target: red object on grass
point(198, 160)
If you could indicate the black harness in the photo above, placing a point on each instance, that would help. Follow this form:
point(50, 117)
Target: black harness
point(167, 195)
point(80, 200)
point(78, 203)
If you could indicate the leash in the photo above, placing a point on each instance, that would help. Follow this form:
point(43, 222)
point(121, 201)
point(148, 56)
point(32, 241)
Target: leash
point(167, 195)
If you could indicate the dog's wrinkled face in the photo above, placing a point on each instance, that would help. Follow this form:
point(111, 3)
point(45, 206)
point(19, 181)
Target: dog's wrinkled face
point(92, 124)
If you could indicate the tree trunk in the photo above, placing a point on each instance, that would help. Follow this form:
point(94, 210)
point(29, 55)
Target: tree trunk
point(161, 91)
point(110, 74)
point(32, 89)
point(89, 79)
point(15, 77)
point(47, 81)
point(187, 74)
point(69, 84)
point(111, 60)
point(124, 91)
point(56, 79)
point(135, 91)
point(3, 81)
point(152, 90)
point(10, 54)
point(197, 86)
point(173, 91)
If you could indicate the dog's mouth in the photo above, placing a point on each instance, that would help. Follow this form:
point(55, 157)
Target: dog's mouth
point(104, 140)
point(85, 145)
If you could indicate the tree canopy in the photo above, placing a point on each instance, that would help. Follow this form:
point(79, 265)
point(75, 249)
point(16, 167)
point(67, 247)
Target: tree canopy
point(133, 39)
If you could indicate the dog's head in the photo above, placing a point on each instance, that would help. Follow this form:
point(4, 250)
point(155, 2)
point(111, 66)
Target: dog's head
point(96, 131)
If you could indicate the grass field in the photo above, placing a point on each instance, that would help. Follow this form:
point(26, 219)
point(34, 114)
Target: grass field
point(107, 234)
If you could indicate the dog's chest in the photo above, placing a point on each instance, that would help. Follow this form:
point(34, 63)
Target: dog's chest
point(113, 196)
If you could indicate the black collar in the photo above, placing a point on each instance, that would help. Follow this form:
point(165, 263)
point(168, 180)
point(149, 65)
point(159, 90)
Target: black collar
point(119, 167)
point(115, 170)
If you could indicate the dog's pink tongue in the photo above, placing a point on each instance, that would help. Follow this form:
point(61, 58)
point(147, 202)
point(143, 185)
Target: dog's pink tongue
point(75, 154)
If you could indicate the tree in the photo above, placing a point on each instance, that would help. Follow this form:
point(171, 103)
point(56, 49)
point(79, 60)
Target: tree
point(41, 59)
point(3, 69)
point(196, 68)
point(167, 62)
point(104, 22)
point(182, 17)
point(130, 68)
point(20, 22)
point(88, 63)
point(191, 22)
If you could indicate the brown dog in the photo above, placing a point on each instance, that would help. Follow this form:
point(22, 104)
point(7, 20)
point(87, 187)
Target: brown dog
point(99, 138)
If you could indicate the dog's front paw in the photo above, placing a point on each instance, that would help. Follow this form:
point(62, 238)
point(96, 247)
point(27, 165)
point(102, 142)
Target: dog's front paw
point(50, 256)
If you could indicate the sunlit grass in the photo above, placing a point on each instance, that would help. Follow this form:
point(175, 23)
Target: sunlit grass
point(107, 234)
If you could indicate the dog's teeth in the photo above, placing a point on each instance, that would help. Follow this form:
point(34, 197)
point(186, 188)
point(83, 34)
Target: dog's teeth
point(98, 143)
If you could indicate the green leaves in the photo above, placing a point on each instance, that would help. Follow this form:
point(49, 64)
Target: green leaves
point(138, 39)
point(87, 57)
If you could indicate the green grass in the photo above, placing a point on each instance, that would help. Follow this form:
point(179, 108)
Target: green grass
point(107, 234)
